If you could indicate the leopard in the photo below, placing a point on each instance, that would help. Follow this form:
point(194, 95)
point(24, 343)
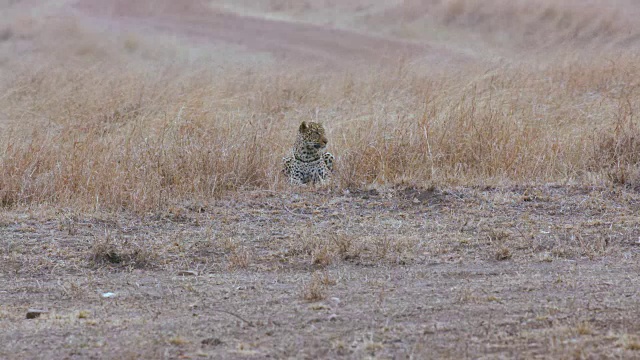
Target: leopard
point(309, 162)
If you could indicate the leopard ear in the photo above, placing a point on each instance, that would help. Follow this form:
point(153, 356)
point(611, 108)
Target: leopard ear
point(303, 126)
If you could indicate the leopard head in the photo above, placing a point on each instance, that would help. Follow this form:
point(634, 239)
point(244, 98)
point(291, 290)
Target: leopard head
point(311, 142)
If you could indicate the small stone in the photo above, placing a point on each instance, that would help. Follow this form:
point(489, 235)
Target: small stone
point(333, 317)
point(34, 313)
point(108, 295)
point(187, 273)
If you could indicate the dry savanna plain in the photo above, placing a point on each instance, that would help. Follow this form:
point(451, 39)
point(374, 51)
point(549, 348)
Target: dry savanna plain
point(485, 202)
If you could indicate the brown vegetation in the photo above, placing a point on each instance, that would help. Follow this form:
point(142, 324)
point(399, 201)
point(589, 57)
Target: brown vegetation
point(138, 142)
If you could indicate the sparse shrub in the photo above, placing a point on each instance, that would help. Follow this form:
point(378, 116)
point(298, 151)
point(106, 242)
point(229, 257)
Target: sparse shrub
point(322, 256)
point(503, 253)
point(326, 280)
point(123, 253)
point(316, 289)
point(584, 328)
point(240, 258)
point(345, 246)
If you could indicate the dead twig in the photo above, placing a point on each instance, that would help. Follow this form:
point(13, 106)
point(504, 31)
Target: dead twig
point(251, 324)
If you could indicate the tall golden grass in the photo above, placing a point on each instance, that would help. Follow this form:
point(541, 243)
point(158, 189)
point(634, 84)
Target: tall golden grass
point(125, 134)
point(105, 138)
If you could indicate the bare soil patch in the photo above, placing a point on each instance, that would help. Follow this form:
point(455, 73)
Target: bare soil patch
point(470, 272)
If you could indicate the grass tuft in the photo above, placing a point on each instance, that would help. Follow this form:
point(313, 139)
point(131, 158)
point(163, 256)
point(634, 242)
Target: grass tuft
point(316, 288)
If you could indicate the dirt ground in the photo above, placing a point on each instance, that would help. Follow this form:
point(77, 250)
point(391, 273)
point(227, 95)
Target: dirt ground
point(542, 272)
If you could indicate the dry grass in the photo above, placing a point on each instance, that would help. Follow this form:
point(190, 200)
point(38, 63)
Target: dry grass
point(521, 25)
point(135, 253)
point(240, 259)
point(316, 288)
point(630, 342)
point(139, 141)
point(584, 328)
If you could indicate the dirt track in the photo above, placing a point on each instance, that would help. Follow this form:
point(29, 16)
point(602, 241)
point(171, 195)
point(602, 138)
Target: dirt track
point(292, 41)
